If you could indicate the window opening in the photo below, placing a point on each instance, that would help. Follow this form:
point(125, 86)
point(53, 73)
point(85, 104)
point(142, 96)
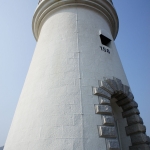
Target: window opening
point(105, 41)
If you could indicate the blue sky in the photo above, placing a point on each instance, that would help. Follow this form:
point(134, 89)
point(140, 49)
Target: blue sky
point(17, 46)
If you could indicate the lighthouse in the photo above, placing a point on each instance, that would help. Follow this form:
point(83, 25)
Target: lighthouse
point(76, 95)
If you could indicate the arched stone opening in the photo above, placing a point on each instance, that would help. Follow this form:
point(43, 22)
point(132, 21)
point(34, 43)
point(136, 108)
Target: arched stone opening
point(115, 95)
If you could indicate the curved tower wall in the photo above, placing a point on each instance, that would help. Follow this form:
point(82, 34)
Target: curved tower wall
point(56, 107)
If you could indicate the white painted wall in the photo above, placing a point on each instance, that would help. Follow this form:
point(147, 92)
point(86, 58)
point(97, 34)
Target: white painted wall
point(56, 106)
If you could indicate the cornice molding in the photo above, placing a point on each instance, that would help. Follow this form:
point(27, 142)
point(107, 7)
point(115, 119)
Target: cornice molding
point(103, 6)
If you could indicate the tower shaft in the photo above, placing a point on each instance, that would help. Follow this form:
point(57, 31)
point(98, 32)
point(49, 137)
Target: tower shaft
point(75, 49)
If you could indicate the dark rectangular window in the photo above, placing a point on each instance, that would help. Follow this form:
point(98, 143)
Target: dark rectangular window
point(105, 41)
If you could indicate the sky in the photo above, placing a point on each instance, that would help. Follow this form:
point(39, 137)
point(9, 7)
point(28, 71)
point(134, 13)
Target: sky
point(17, 45)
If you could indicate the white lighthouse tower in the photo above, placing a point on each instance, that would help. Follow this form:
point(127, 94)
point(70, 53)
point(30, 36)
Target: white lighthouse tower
point(76, 95)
